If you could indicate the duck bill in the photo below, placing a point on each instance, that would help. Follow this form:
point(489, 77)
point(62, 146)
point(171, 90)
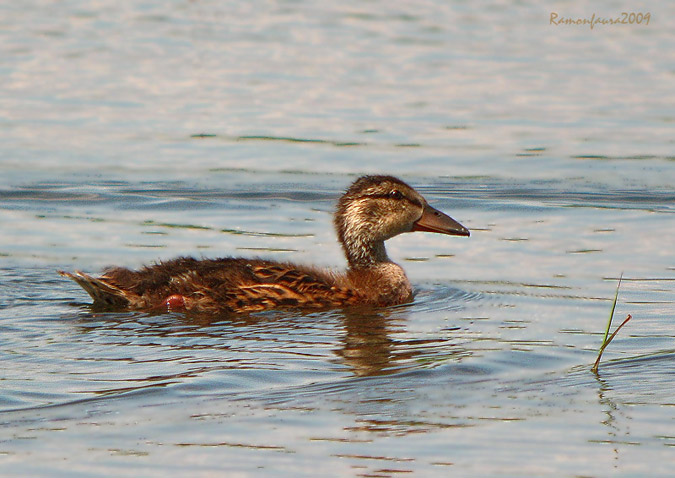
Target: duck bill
point(433, 220)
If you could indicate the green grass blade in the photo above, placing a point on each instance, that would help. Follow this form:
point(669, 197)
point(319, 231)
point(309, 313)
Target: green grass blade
point(594, 369)
point(607, 338)
point(611, 313)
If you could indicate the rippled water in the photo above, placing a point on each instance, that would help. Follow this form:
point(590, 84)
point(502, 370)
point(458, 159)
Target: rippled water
point(141, 132)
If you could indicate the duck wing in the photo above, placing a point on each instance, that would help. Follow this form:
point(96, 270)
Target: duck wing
point(225, 285)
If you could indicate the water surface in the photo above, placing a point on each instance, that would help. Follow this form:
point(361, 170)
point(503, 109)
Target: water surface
point(215, 129)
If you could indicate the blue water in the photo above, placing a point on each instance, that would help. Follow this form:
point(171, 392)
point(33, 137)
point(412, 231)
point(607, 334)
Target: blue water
point(140, 132)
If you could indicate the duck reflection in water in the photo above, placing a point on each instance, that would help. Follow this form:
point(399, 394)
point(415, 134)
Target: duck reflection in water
point(371, 340)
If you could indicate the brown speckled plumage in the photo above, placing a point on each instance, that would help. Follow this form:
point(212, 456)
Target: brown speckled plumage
point(372, 210)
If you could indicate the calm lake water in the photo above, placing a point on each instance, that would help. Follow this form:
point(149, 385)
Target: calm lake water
point(133, 132)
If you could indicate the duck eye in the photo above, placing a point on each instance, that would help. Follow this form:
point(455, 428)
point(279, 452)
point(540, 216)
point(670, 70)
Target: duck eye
point(396, 194)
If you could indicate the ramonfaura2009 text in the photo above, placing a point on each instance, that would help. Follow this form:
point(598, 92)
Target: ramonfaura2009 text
point(625, 18)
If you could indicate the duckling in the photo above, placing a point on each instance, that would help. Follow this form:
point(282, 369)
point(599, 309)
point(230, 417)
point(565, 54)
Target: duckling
point(372, 210)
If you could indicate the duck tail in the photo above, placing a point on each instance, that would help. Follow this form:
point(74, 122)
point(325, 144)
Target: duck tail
point(104, 294)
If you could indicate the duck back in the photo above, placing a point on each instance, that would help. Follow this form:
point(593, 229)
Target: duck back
point(222, 285)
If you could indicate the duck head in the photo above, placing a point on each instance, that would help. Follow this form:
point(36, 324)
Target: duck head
point(377, 208)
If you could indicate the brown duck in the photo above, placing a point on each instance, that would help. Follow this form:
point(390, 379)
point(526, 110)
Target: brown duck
point(372, 210)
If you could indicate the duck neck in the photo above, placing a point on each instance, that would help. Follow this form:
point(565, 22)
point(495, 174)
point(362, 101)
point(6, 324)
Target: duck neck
point(365, 255)
point(375, 278)
point(372, 274)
